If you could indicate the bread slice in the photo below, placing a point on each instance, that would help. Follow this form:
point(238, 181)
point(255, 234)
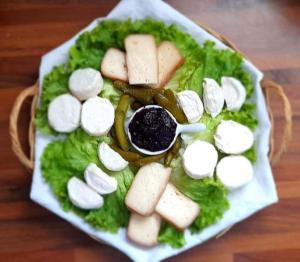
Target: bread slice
point(113, 65)
point(176, 208)
point(147, 187)
point(169, 60)
point(144, 230)
point(141, 59)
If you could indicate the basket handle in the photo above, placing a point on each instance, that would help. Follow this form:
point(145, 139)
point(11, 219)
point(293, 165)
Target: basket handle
point(268, 86)
point(222, 38)
point(27, 161)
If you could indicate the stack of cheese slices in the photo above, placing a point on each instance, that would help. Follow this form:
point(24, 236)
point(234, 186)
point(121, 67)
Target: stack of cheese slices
point(144, 63)
point(150, 198)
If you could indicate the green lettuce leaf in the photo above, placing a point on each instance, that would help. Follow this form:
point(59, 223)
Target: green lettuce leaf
point(110, 93)
point(62, 160)
point(251, 154)
point(245, 116)
point(207, 61)
point(171, 236)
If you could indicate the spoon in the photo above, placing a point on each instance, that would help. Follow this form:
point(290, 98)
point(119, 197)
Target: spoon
point(188, 128)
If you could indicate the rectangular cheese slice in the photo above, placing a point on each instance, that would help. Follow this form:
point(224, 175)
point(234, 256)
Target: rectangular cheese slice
point(169, 60)
point(144, 230)
point(113, 65)
point(147, 187)
point(141, 59)
point(176, 208)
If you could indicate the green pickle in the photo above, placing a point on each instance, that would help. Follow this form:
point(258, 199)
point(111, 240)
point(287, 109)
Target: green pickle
point(127, 155)
point(172, 153)
point(120, 85)
point(143, 95)
point(120, 121)
point(148, 159)
point(172, 107)
point(168, 158)
point(136, 105)
point(168, 93)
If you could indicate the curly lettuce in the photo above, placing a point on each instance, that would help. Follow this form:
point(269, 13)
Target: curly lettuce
point(209, 62)
point(111, 93)
point(171, 236)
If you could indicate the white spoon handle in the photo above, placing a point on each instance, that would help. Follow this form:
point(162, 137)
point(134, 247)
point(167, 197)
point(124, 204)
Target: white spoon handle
point(191, 128)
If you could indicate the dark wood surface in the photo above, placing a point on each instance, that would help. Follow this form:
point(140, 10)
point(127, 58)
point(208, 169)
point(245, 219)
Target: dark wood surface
point(268, 32)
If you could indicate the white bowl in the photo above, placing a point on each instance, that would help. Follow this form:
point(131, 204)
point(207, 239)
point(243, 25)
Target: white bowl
point(189, 128)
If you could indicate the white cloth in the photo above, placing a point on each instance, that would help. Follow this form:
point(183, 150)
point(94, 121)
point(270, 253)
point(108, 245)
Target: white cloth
point(260, 193)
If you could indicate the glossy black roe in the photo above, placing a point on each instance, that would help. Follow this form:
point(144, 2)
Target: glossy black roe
point(152, 129)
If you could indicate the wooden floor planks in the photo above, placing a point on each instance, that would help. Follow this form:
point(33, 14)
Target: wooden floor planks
point(268, 32)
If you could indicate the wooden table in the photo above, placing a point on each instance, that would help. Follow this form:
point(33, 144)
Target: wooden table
point(268, 32)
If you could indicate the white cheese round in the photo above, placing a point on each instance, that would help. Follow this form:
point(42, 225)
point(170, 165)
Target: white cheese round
point(191, 105)
point(111, 159)
point(234, 171)
point(234, 93)
point(85, 83)
point(97, 116)
point(82, 196)
point(64, 113)
point(233, 138)
point(200, 159)
point(213, 97)
point(99, 181)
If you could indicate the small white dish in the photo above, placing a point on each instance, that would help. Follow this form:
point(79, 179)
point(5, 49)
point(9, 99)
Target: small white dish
point(189, 128)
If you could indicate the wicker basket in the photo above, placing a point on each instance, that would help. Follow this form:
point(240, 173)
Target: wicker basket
point(267, 86)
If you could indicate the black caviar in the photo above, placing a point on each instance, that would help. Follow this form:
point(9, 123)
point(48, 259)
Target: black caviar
point(152, 129)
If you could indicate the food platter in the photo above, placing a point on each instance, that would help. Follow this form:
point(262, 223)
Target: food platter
point(242, 202)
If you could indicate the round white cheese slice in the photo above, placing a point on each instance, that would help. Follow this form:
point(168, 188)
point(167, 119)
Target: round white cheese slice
point(111, 159)
point(64, 113)
point(99, 181)
point(97, 116)
point(234, 93)
point(82, 196)
point(191, 105)
point(213, 97)
point(85, 83)
point(200, 159)
point(233, 138)
point(234, 171)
